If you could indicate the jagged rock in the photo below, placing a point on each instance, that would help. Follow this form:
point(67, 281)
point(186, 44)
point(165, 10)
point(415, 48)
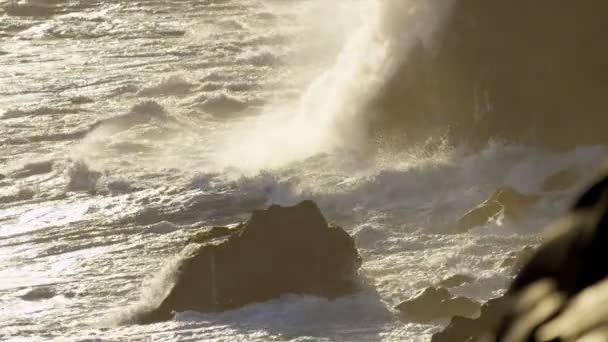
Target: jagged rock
point(456, 280)
point(561, 180)
point(463, 329)
point(507, 201)
point(278, 251)
point(434, 303)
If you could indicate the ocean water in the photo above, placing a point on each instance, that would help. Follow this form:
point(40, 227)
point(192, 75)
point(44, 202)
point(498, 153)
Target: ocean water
point(127, 126)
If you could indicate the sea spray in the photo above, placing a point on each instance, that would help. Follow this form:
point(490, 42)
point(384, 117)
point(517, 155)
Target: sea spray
point(154, 291)
point(334, 112)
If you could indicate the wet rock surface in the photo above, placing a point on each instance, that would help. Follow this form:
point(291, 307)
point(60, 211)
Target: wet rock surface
point(456, 280)
point(474, 329)
point(434, 303)
point(505, 201)
point(278, 251)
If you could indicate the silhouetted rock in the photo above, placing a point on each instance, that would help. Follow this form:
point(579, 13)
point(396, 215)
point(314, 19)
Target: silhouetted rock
point(463, 329)
point(434, 303)
point(456, 280)
point(561, 180)
point(278, 251)
point(506, 201)
point(561, 293)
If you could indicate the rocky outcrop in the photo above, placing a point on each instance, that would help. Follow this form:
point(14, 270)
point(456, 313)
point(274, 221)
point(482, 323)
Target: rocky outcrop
point(507, 201)
point(434, 303)
point(278, 251)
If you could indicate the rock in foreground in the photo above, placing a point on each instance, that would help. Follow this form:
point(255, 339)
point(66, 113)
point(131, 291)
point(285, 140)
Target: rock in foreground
point(561, 293)
point(278, 251)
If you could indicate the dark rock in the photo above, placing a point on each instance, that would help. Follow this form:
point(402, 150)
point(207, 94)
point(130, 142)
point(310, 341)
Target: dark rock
point(456, 280)
point(2, 177)
point(278, 251)
point(517, 260)
point(214, 233)
point(560, 294)
point(434, 303)
point(474, 329)
point(507, 201)
point(561, 180)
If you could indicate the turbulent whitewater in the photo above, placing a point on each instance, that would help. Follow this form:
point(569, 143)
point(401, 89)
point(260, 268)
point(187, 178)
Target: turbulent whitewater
point(125, 127)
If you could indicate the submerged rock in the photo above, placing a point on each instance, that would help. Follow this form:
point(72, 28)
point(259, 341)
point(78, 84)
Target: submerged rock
point(456, 280)
point(278, 251)
point(434, 303)
point(561, 180)
point(507, 201)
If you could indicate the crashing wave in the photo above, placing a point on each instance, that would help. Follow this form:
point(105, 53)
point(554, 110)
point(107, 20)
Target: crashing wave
point(171, 86)
point(81, 178)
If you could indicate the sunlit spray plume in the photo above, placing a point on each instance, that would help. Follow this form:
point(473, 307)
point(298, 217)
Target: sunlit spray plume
point(334, 111)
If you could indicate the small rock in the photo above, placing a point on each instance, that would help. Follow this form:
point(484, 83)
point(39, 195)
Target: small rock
point(434, 303)
point(38, 293)
point(507, 201)
point(78, 100)
point(456, 280)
